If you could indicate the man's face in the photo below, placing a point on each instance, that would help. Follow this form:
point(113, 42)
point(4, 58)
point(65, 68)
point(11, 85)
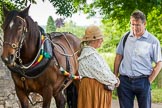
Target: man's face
point(137, 26)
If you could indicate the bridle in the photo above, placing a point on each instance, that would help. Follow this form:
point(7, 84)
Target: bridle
point(18, 46)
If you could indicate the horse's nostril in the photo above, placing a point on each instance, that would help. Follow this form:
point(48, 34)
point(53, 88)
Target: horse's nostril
point(11, 57)
point(8, 60)
point(5, 60)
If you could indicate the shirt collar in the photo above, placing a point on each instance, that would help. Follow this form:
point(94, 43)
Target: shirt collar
point(145, 35)
point(87, 51)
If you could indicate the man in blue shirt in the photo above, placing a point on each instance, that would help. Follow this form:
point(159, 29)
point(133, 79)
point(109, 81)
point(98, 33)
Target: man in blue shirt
point(134, 63)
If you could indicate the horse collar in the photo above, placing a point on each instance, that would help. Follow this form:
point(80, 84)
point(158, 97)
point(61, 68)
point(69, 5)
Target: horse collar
point(39, 64)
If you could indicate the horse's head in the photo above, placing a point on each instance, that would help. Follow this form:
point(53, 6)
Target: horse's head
point(14, 29)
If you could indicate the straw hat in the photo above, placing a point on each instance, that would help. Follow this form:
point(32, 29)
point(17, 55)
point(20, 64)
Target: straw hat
point(92, 33)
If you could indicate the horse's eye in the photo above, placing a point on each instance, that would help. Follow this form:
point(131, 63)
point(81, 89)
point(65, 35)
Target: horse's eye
point(20, 23)
point(19, 28)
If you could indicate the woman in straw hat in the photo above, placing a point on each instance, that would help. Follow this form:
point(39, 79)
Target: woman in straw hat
point(97, 83)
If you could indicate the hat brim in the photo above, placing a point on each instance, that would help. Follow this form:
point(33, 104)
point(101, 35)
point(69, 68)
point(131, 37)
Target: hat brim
point(90, 39)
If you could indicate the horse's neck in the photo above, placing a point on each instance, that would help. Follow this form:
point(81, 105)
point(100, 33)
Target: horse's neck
point(30, 47)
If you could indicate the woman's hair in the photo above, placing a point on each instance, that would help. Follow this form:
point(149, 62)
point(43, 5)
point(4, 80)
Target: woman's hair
point(82, 45)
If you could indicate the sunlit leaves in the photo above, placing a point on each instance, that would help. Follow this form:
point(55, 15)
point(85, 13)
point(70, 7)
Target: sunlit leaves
point(64, 7)
point(154, 22)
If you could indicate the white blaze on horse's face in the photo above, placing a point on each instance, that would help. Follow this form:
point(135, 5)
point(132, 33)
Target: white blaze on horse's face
point(11, 24)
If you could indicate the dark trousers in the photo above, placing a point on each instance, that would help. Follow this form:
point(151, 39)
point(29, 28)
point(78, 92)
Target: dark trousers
point(131, 87)
point(72, 96)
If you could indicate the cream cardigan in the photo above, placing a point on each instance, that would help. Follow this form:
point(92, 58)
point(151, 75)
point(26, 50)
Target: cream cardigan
point(92, 65)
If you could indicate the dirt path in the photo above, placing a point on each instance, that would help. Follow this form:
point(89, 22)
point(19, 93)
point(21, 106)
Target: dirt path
point(115, 104)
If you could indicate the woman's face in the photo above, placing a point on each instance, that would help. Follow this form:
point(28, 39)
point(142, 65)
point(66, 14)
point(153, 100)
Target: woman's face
point(137, 26)
point(96, 43)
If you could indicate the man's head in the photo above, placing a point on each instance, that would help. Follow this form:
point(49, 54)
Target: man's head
point(138, 23)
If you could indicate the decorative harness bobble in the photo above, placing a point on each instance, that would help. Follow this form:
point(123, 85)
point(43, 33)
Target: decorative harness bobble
point(71, 76)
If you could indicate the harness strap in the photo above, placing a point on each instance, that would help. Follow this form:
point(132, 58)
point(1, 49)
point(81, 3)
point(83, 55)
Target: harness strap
point(67, 80)
point(26, 93)
point(66, 83)
point(125, 39)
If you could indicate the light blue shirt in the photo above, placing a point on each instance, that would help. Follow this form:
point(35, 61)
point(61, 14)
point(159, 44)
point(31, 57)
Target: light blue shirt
point(139, 54)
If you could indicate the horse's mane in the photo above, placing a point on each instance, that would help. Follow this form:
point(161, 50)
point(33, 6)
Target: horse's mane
point(32, 26)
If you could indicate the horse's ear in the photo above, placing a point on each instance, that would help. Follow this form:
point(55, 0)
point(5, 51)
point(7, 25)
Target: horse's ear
point(5, 10)
point(24, 12)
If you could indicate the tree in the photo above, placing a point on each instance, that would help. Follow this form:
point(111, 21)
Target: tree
point(115, 9)
point(118, 9)
point(51, 27)
point(7, 4)
point(59, 22)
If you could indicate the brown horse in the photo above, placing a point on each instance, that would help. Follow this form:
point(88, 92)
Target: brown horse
point(38, 62)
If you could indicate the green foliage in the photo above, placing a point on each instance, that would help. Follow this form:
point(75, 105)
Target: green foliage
point(113, 31)
point(109, 58)
point(116, 9)
point(154, 23)
point(72, 28)
point(64, 7)
point(8, 5)
point(14, 4)
point(51, 27)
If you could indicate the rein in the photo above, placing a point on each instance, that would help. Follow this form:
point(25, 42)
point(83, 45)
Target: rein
point(69, 55)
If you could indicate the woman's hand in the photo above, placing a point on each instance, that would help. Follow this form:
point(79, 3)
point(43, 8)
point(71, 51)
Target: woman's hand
point(118, 82)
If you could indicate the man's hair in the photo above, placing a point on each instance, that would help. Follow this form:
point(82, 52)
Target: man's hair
point(137, 14)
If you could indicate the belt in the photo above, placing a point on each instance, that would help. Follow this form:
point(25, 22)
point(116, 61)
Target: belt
point(134, 77)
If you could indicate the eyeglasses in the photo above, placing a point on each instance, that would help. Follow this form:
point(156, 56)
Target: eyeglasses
point(136, 25)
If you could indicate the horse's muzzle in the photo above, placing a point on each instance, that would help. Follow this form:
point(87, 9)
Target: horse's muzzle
point(9, 61)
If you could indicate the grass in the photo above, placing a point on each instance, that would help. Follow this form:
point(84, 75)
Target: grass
point(156, 95)
point(109, 58)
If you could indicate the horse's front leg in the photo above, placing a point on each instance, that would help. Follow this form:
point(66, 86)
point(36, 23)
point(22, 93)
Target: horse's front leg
point(47, 96)
point(22, 98)
point(60, 100)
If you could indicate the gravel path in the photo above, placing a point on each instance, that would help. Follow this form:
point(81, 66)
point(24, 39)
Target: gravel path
point(115, 104)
